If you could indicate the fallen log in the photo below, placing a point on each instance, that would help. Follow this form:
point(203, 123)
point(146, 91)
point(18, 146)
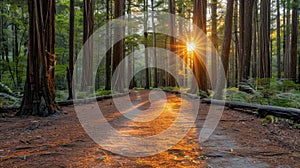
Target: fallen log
point(262, 110)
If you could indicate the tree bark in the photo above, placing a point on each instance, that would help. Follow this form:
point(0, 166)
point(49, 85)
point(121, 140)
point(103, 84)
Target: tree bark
point(225, 48)
point(88, 30)
point(248, 11)
point(294, 40)
point(39, 91)
point(108, 46)
point(278, 41)
point(264, 52)
point(199, 66)
point(287, 54)
point(214, 36)
point(71, 50)
point(118, 48)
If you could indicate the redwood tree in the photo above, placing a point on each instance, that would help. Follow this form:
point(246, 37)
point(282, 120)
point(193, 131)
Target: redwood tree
point(88, 30)
point(264, 48)
point(39, 91)
point(199, 68)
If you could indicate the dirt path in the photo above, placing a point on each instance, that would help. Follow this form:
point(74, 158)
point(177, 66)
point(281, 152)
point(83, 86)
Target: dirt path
point(60, 141)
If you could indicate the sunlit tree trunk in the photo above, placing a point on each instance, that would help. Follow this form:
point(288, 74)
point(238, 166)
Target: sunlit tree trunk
point(199, 66)
point(39, 91)
point(225, 48)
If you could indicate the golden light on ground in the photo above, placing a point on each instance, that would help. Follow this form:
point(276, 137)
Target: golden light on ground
point(190, 46)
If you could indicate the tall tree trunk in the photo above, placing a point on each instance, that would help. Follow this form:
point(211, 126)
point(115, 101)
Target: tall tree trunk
point(172, 60)
point(71, 50)
point(214, 37)
point(88, 30)
point(254, 41)
point(118, 48)
point(225, 48)
point(236, 58)
point(39, 91)
point(248, 11)
point(278, 41)
point(287, 43)
point(199, 66)
point(154, 46)
point(264, 53)
point(108, 46)
point(241, 46)
point(147, 80)
point(294, 40)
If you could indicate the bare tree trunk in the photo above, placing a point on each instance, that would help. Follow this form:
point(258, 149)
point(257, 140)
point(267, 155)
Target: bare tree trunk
point(199, 66)
point(287, 43)
point(241, 46)
point(294, 40)
point(278, 41)
point(118, 48)
point(39, 91)
point(147, 84)
point(254, 41)
point(172, 60)
point(248, 11)
point(214, 37)
point(264, 53)
point(154, 46)
point(236, 58)
point(71, 50)
point(88, 30)
point(108, 53)
point(225, 48)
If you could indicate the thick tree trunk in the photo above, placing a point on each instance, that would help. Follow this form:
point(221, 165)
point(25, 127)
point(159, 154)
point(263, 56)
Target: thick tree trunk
point(199, 66)
point(39, 91)
point(264, 52)
point(88, 30)
point(254, 41)
point(225, 48)
point(248, 11)
point(118, 48)
point(294, 40)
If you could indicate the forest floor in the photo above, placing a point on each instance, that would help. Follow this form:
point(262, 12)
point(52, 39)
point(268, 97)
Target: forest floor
point(240, 140)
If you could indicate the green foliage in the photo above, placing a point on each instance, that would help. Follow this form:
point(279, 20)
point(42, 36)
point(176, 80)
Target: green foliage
point(60, 77)
point(102, 92)
point(5, 89)
point(275, 93)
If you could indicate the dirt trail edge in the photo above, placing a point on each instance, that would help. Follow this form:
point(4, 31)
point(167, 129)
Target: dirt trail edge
point(240, 140)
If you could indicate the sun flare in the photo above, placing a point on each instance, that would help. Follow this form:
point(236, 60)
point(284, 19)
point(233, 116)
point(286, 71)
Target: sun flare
point(191, 46)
